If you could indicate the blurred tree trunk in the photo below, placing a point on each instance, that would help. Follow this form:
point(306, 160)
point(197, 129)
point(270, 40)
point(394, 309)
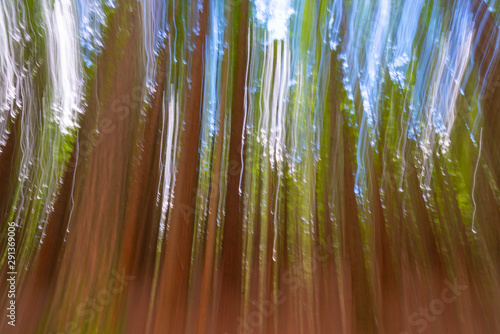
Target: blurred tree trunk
point(231, 263)
point(171, 305)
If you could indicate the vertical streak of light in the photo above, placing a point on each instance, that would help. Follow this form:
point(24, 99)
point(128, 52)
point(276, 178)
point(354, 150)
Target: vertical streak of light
point(77, 153)
point(474, 182)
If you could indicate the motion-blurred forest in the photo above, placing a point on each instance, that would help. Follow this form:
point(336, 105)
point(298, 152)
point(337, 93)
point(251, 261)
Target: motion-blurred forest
point(237, 166)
